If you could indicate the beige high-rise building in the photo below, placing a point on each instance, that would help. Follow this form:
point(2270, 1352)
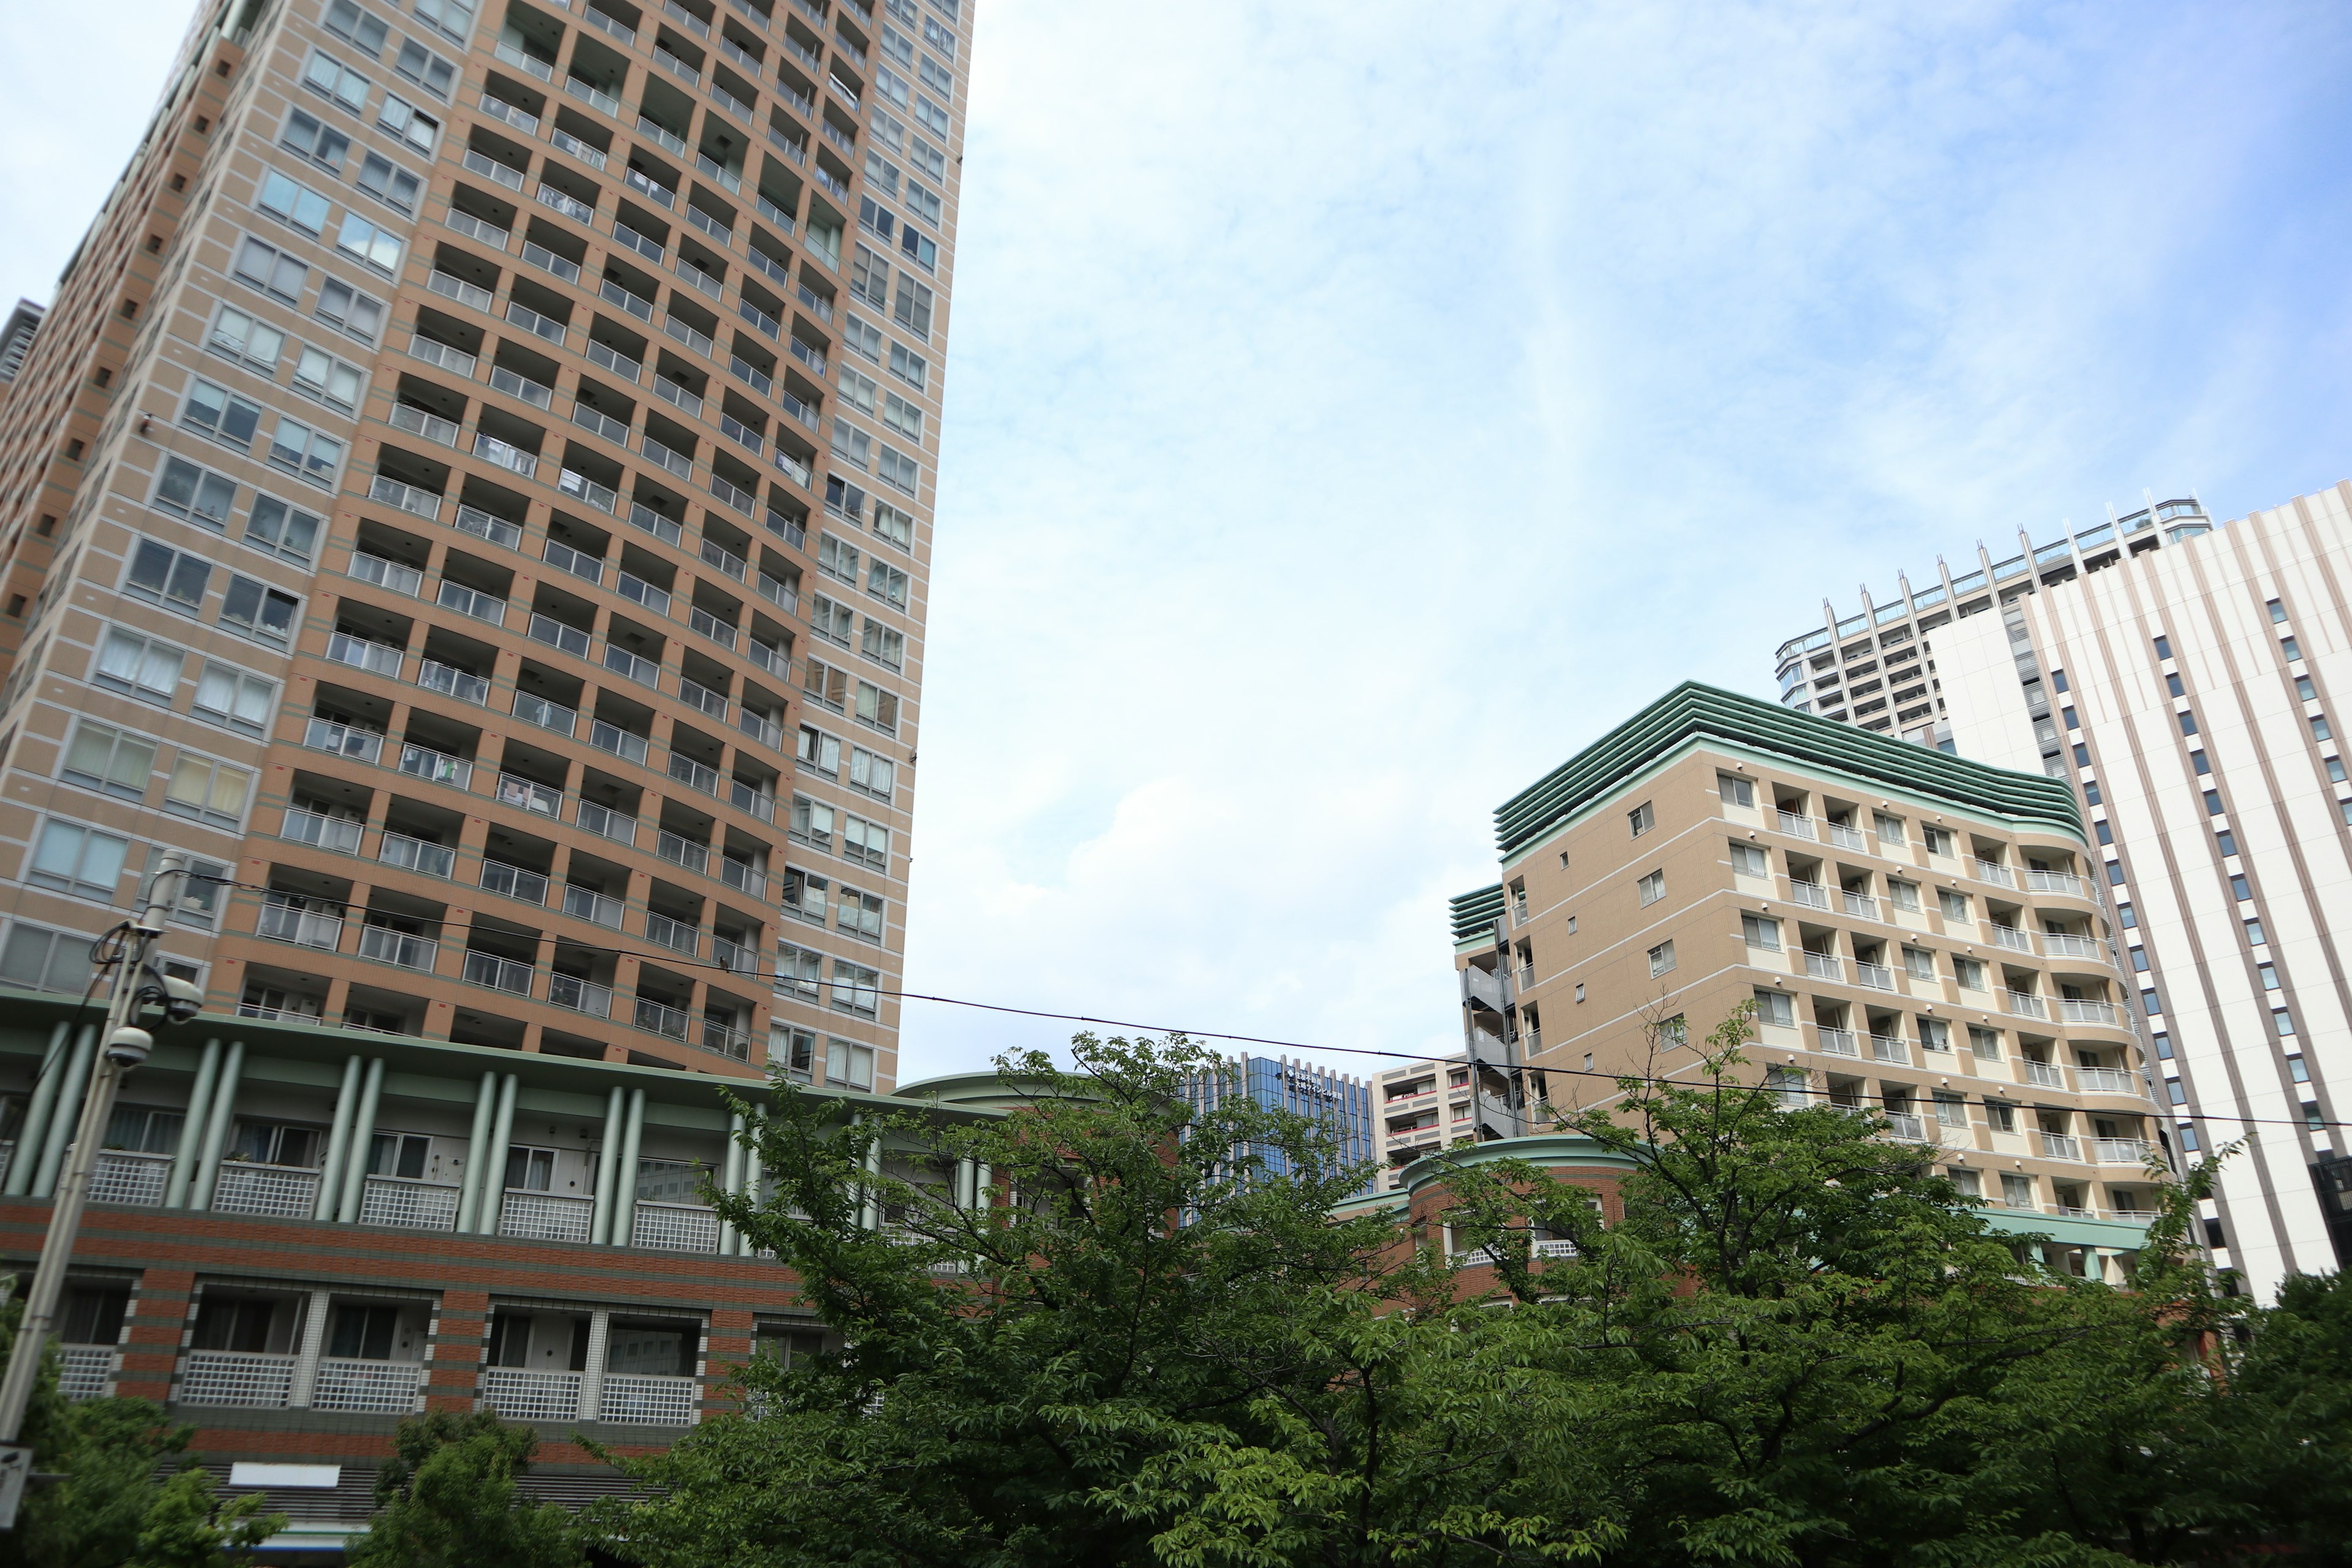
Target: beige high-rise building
point(1919, 935)
point(473, 491)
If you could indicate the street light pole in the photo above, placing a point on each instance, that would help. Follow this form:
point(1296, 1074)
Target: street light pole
point(123, 1047)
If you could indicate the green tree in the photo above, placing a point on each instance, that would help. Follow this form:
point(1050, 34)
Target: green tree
point(1800, 1346)
point(107, 1508)
point(447, 1500)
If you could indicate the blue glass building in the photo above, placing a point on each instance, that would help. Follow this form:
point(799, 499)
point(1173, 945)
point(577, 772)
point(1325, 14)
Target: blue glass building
point(1341, 1102)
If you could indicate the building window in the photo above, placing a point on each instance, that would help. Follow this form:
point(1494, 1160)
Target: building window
point(116, 762)
point(2278, 612)
point(1736, 791)
point(73, 859)
point(2163, 648)
point(855, 988)
point(1674, 1031)
point(1902, 895)
point(1890, 828)
point(2188, 722)
point(1652, 888)
point(1939, 840)
point(1775, 1007)
point(1757, 931)
point(1955, 905)
point(1662, 958)
point(1934, 1034)
point(848, 1062)
point(1968, 972)
point(1641, 819)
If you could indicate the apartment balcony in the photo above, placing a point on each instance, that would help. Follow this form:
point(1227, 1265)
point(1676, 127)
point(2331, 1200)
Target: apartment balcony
point(338, 835)
point(2123, 1151)
point(432, 675)
point(368, 1387)
point(637, 1400)
point(549, 1397)
point(400, 1203)
point(1860, 905)
point(303, 927)
point(482, 524)
point(236, 1378)
point(546, 715)
point(1876, 976)
point(398, 948)
point(1845, 838)
point(2041, 1075)
point(682, 851)
point(375, 657)
point(530, 795)
point(1812, 895)
point(508, 974)
point(2022, 1005)
point(343, 740)
point(2055, 882)
point(575, 995)
point(1906, 1128)
point(605, 823)
point(2064, 944)
point(131, 1179)
point(1837, 1042)
point(1991, 871)
point(544, 1217)
point(2107, 1080)
point(282, 1191)
point(2059, 1146)
point(660, 1018)
point(1794, 825)
point(588, 904)
point(387, 575)
point(417, 855)
point(673, 1228)
point(1890, 1049)
point(414, 500)
point(86, 1372)
point(2079, 1010)
point(436, 767)
point(1824, 965)
point(2015, 939)
point(673, 934)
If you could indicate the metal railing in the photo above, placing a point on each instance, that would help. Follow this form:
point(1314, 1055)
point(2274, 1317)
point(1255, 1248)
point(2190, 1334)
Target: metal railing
point(1991, 871)
point(343, 740)
point(2123, 1151)
point(508, 974)
point(1860, 904)
point(85, 1371)
point(305, 928)
point(673, 934)
point(399, 1204)
point(371, 1387)
point(236, 1377)
point(2065, 944)
point(130, 1179)
point(1845, 838)
point(575, 995)
point(634, 1399)
point(1837, 1042)
point(680, 850)
point(1876, 976)
point(2024, 1003)
point(605, 823)
point(2059, 1146)
point(386, 945)
point(2046, 1075)
point(545, 715)
point(360, 653)
point(438, 767)
point(543, 1217)
point(2054, 882)
point(339, 834)
point(521, 1395)
point(1795, 824)
point(416, 855)
point(2013, 939)
point(1825, 966)
point(482, 525)
point(280, 1191)
point(530, 795)
point(673, 1228)
point(384, 573)
point(451, 681)
point(2081, 1010)
point(1890, 1049)
point(1812, 895)
point(660, 1018)
point(1907, 1126)
point(2105, 1080)
point(588, 904)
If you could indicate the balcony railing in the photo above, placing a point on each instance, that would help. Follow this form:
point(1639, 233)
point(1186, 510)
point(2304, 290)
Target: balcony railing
point(343, 740)
point(1825, 966)
point(680, 850)
point(280, 1191)
point(2059, 1146)
point(588, 904)
point(556, 634)
point(1859, 904)
point(376, 658)
point(1889, 1048)
point(726, 1039)
point(2054, 882)
point(543, 1217)
point(547, 715)
point(660, 1018)
point(673, 934)
point(2123, 1151)
point(2047, 1075)
point(508, 974)
point(530, 795)
point(605, 823)
point(2105, 1080)
point(1837, 1042)
point(448, 284)
point(2063, 944)
point(702, 699)
point(424, 423)
point(2013, 939)
point(401, 1204)
point(675, 1227)
point(1907, 1127)
point(2080, 1010)
point(694, 775)
point(1877, 976)
point(131, 1179)
point(1845, 838)
point(635, 667)
point(386, 945)
point(538, 1397)
point(1991, 871)
point(752, 798)
point(1812, 895)
point(417, 855)
point(2024, 1003)
point(370, 1387)
point(338, 834)
point(85, 1371)
point(575, 995)
point(384, 573)
point(1795, 824)
point(482, 525)
point(238, 1378)
point(634, 1399)
point(305, 928)
point(451, 682)
point(438, 767)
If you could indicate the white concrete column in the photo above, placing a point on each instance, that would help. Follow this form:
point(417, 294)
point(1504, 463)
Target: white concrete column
point(339, 1141)
point(355, 1169)
point(967, 1187)
point(216, 1125)
point(592, 1376)
point(28, 1154)
point(494, 1165)
point(624, 1180)
point(191, 1125)
point(66, 1112)
point(315, 1313)
point(731, 1178)
point(608, 1162)
point(469, 1190)
point(755, 1178)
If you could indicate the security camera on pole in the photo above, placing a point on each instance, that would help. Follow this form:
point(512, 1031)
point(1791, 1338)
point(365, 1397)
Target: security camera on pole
point(138, 985)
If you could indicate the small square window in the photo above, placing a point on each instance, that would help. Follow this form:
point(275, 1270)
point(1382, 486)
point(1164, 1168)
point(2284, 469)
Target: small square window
point(1652, 888)
point(1736, 791)
point(1641, 819)
point(1662, 958)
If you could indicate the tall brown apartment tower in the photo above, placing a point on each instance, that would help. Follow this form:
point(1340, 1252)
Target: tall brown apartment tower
point(1918, 934)
point(474, 492)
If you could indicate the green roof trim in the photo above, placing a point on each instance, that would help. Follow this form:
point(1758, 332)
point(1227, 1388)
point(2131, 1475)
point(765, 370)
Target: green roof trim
point(1693, 711)
point(1475, 913)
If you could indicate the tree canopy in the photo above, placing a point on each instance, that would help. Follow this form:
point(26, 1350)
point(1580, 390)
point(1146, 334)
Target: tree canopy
point(1800, 1345)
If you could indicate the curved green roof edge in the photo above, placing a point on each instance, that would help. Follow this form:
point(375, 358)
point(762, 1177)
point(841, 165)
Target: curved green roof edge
point(1693, 709)
point(1475, 911)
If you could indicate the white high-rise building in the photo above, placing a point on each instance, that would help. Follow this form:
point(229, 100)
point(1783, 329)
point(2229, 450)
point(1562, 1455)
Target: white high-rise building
point(2194, 693)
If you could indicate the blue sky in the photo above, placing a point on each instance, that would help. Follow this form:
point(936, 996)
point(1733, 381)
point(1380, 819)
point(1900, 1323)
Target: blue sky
point(1352, 409)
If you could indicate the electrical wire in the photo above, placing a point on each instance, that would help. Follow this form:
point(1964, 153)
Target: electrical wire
point(669, 959)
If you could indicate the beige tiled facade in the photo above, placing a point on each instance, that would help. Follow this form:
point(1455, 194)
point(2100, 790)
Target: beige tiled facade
point(474, 491)
point(1916, 936)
